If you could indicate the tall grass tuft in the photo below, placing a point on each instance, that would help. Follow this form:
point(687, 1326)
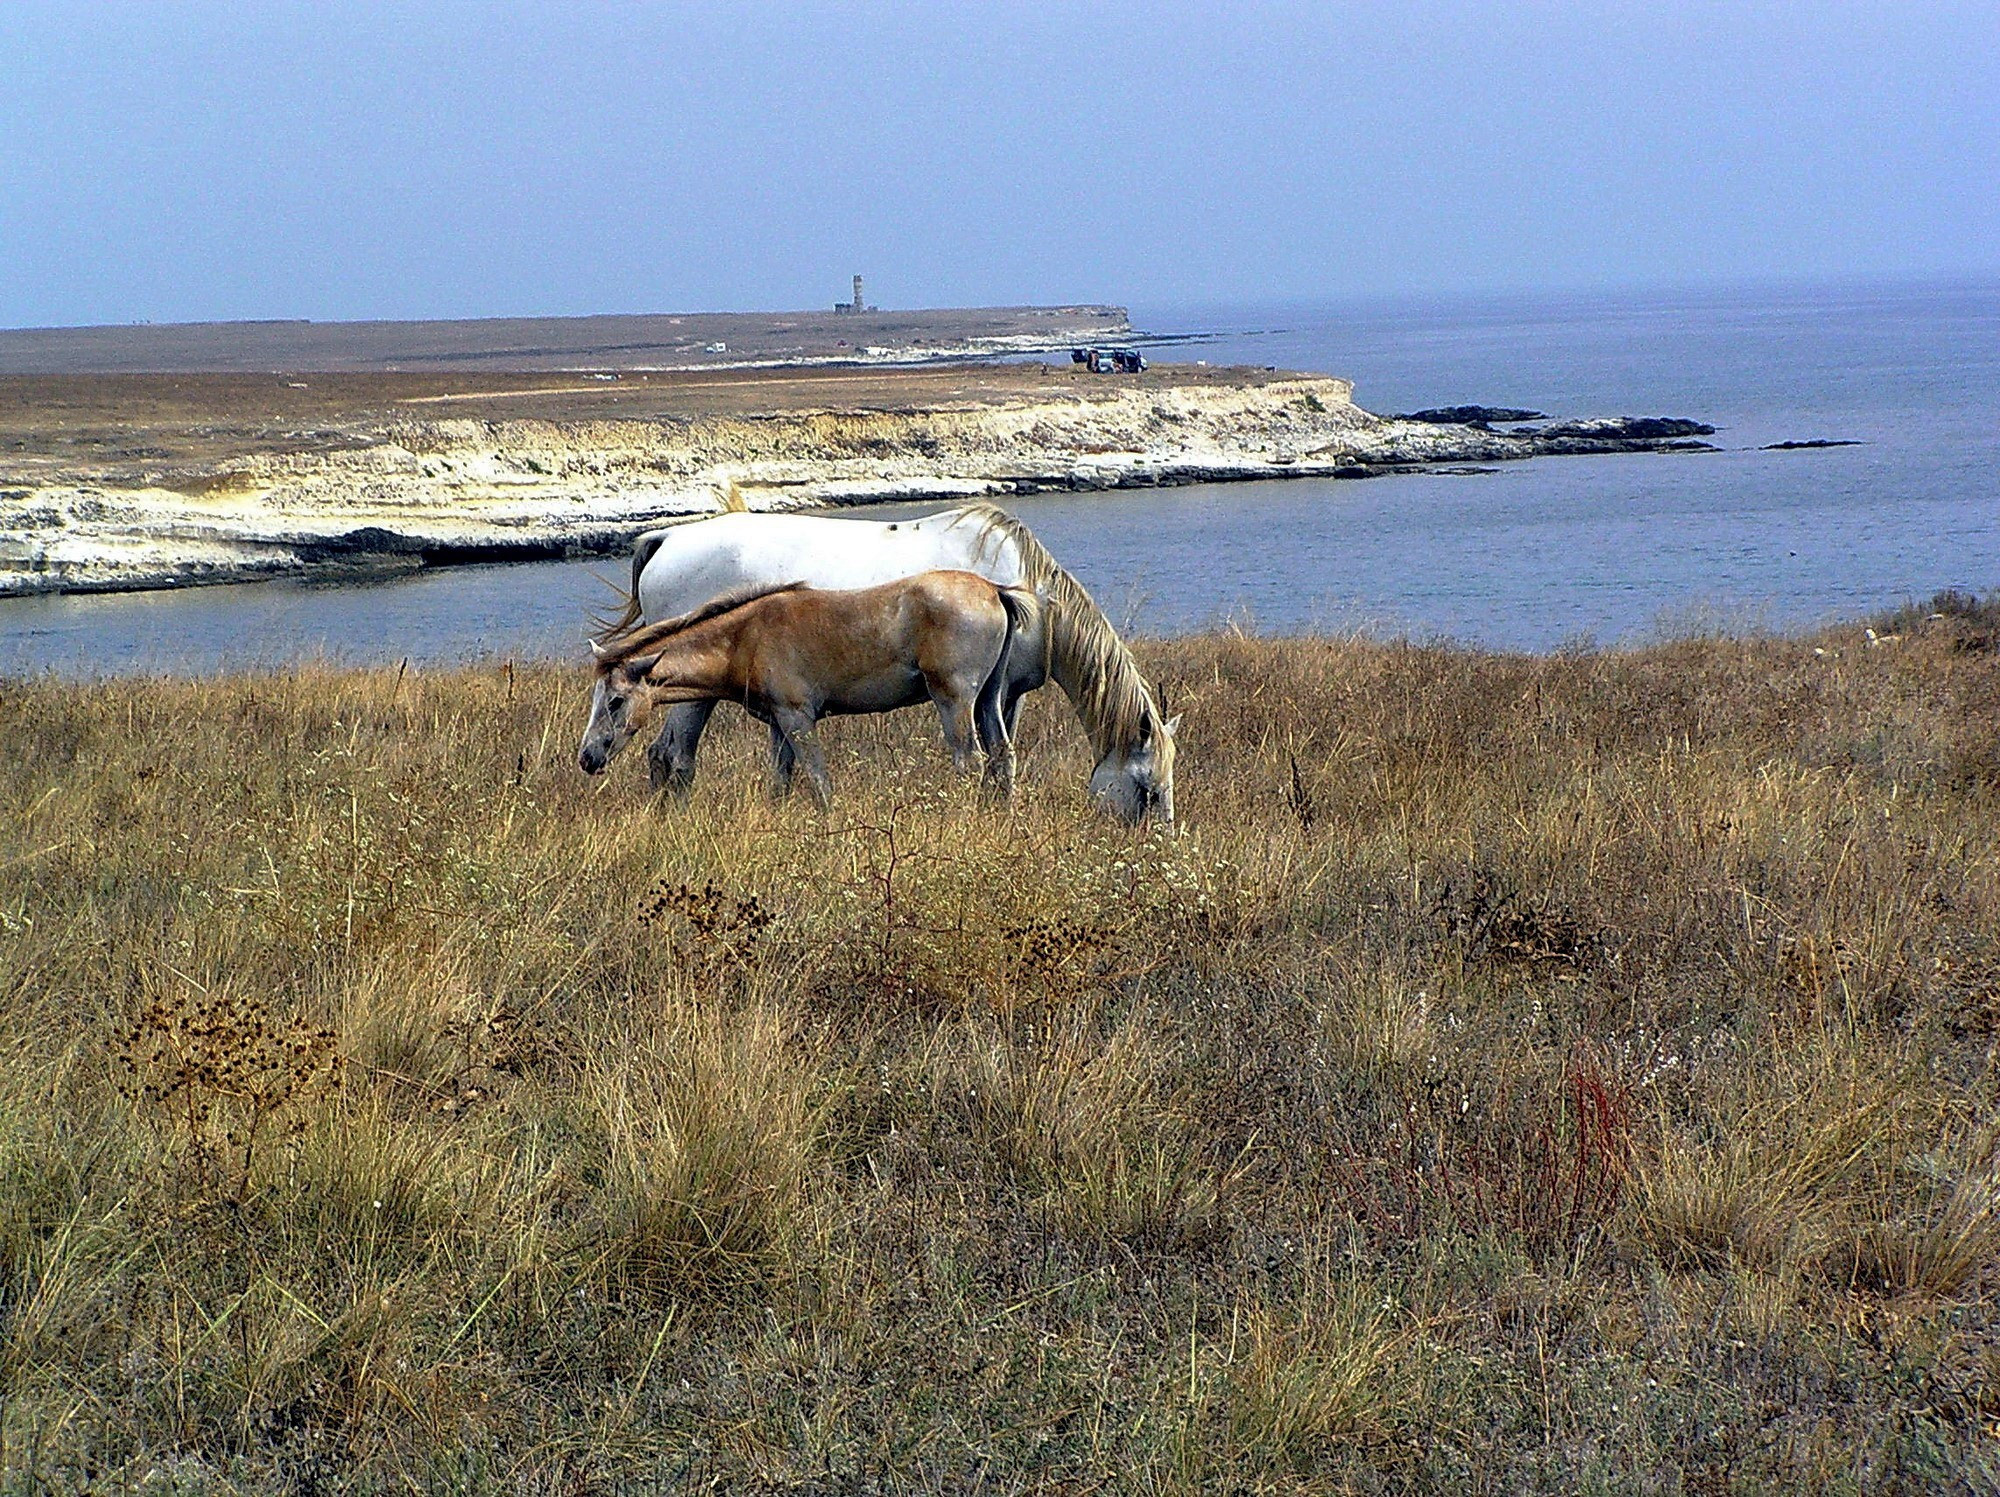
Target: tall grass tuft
point(707, 1144)
point(1331, 1368)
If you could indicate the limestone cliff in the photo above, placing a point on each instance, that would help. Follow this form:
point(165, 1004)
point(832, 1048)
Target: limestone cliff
point(447, 489)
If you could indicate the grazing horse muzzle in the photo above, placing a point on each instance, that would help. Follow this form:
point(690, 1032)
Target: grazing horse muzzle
point(1137, 784)
point(1126, 797)
point(614, 710)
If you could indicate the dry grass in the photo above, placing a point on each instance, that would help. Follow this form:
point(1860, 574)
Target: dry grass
point(1521, 1074)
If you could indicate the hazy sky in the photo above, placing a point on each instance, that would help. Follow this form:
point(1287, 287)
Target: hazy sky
point(202, 159)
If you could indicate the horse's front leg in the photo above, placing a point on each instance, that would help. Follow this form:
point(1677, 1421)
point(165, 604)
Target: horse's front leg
point(797, 726)
point(783, 761)
point(670, 760)
point(1011, 714)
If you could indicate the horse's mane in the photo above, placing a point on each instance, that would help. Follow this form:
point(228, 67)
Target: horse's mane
point(635, 642)
point(1086, 656)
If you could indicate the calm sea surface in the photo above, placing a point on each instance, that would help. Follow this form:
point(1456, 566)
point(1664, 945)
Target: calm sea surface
point(1536, 554)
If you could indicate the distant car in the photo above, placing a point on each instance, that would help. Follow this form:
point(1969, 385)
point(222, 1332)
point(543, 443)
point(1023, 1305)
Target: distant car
point(1108, 360)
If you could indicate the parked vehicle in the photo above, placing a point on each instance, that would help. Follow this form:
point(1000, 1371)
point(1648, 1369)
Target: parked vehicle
point(1109, 360)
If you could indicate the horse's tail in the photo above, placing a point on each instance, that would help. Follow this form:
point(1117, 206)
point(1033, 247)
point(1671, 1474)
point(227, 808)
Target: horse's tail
point(631, 615)
point(990, 708)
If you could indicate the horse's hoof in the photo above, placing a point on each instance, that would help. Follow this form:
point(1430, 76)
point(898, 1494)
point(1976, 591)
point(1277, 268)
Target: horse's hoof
point(668, 777)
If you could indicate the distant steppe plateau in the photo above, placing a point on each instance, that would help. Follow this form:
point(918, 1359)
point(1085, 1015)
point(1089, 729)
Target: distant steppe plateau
point(624, 341)
point(139, 457)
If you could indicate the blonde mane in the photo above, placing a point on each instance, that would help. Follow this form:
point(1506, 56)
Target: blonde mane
point(623, 647)
point(1086, 656)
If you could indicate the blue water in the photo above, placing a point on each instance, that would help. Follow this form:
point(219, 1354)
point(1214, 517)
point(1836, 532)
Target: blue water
point(1534, 555)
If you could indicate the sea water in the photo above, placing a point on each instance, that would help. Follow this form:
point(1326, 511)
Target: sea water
point(1530, 556)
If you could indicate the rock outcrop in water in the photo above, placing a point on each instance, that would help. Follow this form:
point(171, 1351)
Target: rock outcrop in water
point(1474, 415)
point(1621, 434)
point(410, 492)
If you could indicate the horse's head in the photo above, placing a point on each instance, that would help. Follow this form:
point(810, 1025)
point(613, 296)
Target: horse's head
point(1137, 781)
point(619, 708)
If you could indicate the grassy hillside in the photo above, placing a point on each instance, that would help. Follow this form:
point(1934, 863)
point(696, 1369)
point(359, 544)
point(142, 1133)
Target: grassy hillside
point(1521, 1074)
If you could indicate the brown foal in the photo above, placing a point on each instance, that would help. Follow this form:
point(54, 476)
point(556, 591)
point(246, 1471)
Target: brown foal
point(792, 655)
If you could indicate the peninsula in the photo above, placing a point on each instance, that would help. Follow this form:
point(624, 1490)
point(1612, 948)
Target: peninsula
point(135, 458)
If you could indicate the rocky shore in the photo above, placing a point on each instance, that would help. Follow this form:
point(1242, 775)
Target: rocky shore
point(534, 473)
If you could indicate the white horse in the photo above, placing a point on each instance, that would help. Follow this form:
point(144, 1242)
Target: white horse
point(1068, 640)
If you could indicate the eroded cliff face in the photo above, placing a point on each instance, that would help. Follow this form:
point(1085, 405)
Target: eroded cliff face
point(448, 489)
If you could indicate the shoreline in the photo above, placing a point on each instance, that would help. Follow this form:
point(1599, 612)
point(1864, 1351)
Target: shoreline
point(207, 485)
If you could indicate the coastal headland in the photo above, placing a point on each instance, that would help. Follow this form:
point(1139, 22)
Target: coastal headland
point(130, 460)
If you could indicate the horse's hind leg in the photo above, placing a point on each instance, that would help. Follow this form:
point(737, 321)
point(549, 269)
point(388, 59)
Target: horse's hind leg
point(955, 714)
point(997, 739)
point(670, 760)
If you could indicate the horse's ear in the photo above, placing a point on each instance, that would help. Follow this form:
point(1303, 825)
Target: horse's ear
point(641, 666)
point(598, 652)
point(1171, 725)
